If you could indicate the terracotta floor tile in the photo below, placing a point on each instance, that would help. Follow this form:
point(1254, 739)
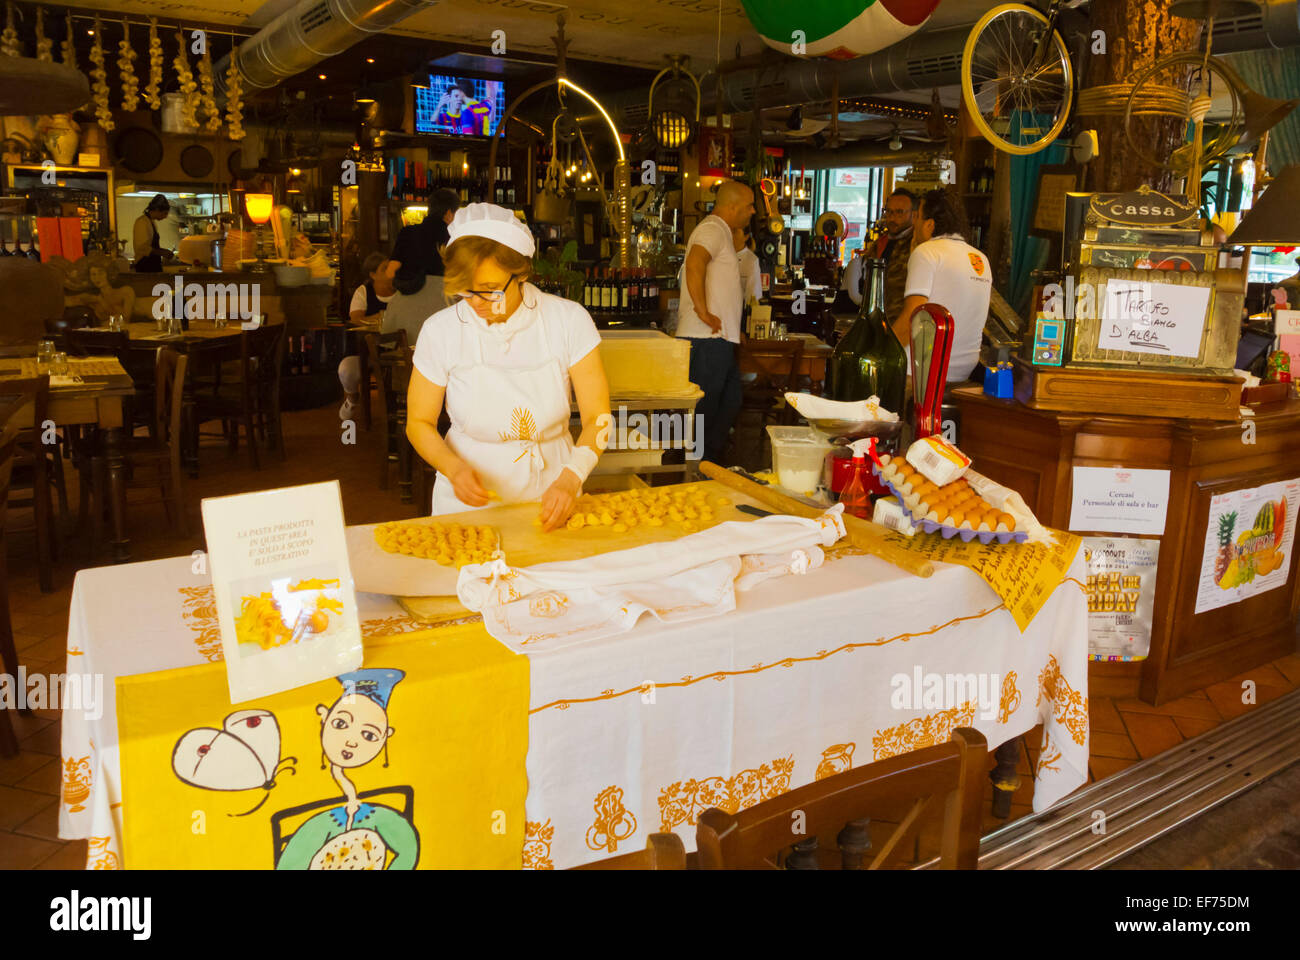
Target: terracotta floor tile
point(1265, 674)
point(13, 769)
point(23, 853)
point(1289, 667)
point(46, 740)
point(1103, 767)
point(43, 824)
point(1151, 733)
point(46, 779)
point(1226, 697)
point(16, 806)
point(1102, 716)
point(1115, 745)
point(1182, 707)
point(47, 649)
point(23, 643)
point(1194, 726)
point(26, 726)
point(71, 855)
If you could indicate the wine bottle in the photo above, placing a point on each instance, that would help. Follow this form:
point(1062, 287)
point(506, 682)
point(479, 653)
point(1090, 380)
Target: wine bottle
point(869, 360)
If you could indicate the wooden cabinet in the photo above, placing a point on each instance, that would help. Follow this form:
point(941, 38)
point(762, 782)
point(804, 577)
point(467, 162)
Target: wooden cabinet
point(1033, 452)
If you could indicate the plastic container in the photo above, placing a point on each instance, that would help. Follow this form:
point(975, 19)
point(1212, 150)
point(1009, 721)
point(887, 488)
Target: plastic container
point(798, 457)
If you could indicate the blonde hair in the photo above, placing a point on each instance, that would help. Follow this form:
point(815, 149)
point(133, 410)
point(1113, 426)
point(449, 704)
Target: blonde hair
point(462, 257)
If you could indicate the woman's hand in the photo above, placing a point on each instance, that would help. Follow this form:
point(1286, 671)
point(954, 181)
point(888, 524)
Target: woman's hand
point(559, 500)
point(468, 489)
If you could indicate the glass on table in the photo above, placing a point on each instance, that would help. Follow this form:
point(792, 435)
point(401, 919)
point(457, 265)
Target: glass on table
point(58, 364)
point(44, 350)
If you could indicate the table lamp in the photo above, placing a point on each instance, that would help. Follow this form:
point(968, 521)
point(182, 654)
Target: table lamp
point(1272, 221)
point(259, 207)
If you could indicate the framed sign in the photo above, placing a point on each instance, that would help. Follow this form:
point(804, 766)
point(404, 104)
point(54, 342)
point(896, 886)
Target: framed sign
point(1054, 182)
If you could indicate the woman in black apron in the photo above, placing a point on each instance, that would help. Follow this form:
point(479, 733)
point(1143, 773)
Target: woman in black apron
point(149, 253)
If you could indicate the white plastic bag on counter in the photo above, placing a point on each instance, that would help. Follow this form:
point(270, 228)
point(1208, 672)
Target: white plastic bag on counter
point(1008, 500)
point(819, 408)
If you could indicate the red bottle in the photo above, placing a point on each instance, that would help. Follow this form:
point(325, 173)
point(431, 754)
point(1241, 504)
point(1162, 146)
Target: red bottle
point(856, 499)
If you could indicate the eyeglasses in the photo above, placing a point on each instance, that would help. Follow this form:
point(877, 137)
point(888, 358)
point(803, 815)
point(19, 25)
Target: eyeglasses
point(898, 211)
point(490, 296)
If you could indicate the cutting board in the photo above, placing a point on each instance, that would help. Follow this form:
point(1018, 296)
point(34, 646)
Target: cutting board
point(377, 571)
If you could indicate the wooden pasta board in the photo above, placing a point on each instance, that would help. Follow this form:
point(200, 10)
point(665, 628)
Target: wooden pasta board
point(523, 543)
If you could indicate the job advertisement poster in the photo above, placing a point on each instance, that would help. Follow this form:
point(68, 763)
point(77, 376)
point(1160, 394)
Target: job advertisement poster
point(1121, 596)
point(1247, 543)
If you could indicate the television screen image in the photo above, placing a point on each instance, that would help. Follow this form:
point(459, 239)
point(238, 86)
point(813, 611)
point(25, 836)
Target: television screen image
point(459, 107)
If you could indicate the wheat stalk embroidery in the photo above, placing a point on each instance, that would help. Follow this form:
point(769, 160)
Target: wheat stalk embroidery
point(522, 426)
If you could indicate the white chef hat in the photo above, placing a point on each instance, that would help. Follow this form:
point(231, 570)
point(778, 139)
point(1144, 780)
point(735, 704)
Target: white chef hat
point(495, 223)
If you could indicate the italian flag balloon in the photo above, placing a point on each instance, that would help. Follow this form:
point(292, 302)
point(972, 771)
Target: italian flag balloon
point(840, 29)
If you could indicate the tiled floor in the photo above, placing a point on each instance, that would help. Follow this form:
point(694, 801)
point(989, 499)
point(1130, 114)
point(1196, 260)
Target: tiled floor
point(1123, 731)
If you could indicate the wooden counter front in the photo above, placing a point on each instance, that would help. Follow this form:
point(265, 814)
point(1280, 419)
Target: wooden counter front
point(1033, 451)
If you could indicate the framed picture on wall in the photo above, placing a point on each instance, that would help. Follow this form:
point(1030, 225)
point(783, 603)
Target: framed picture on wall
point(1054, 182)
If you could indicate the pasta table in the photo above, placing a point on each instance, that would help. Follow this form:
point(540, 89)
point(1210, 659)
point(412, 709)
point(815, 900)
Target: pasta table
point(638, 733)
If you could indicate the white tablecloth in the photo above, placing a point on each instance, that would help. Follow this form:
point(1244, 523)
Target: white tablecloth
point(638, 733)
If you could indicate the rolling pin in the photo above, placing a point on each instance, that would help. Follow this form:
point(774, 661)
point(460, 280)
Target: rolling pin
point(863, 534)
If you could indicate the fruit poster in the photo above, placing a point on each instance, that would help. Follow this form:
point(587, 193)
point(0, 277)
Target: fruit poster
point(1247, 544)
point(1121, 596)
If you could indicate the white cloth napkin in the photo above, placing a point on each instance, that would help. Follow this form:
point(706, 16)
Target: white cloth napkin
point(553, 605)
point(819, 408)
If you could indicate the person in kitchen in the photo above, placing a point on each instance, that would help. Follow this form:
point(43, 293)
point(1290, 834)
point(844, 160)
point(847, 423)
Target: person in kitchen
point(368, 303)
point(416, 267)
point(502, 359)
point(944, 269)
point(149, 254)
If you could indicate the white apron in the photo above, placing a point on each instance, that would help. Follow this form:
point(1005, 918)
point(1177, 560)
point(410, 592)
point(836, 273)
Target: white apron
point(511, 425)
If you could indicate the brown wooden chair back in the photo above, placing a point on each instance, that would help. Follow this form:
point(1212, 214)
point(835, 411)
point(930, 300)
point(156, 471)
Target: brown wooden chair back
point(92, 342)
point(169, 388)
point(36, 391)
point(835, 812)
point(264, 352)
point(760, 356)
point(663, 851)
point(378, 344)
point(33, 293)
point(8, 653)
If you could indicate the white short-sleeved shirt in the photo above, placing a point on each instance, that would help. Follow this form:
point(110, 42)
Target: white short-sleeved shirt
point(551, 328)
point(721, 283)
point(751, 274)
point(950, 272)
point(359, 300)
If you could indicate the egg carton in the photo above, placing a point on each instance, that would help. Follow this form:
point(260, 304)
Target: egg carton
point(945, 530)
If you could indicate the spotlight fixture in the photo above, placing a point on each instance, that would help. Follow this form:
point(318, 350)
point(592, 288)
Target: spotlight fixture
point(320, 76)
point(896, 141)
point(679, 97)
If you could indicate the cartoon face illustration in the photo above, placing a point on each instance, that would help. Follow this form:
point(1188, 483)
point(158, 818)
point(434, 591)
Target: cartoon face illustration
point(243, 755)
point(354, 730)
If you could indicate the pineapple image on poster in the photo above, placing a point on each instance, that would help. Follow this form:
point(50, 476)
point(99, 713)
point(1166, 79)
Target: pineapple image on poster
point(1248, 544)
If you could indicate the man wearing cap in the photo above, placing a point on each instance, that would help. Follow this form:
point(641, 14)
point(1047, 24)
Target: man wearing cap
point(709, 312)
point(503, 359)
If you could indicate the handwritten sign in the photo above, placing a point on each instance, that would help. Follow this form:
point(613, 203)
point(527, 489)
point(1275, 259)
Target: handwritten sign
point(1119, 500)
point(1164, 319)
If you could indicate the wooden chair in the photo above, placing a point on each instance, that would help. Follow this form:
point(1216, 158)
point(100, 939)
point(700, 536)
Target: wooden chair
point(663, 851)
point(33, 294)
point(255, 399)
point(775, 364)
point(8, 652)
point(38, 468)
point(388, 353)
point(836, 809)
point(139, 365)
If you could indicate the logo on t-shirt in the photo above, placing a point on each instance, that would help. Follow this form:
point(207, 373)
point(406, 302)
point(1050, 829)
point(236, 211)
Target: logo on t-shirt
point(977, 262)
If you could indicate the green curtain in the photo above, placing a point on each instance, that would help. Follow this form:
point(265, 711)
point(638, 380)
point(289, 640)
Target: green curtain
point(1275, 73)
point(1027, 253)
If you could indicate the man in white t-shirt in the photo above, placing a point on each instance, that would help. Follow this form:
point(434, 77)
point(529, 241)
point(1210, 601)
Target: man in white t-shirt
point(709, 313)
point(751, 271)
point(946, 270)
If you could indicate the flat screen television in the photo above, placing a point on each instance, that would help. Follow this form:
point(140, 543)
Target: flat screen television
point(459, 107)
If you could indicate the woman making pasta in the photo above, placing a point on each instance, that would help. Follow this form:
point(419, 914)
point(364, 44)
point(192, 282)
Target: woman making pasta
point(502, 358)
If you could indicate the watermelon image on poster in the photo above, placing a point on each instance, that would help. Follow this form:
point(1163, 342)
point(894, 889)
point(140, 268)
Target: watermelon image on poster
point(839, 29)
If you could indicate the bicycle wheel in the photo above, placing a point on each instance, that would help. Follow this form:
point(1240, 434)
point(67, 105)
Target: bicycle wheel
point(1017, 105)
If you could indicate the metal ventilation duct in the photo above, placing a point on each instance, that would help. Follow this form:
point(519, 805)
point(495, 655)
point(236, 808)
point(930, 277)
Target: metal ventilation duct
point(310, 32)
point(1277, 24)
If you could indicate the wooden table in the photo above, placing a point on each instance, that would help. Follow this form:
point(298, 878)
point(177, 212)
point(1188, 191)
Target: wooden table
point(203, 339)
point(98, 402)
point(816, 353)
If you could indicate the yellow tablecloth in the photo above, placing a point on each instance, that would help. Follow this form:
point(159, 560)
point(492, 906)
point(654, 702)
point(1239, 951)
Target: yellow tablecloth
point(445, 790)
